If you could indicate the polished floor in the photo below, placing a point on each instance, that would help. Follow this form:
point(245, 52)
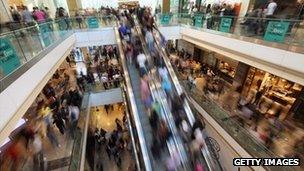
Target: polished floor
point(99, 118)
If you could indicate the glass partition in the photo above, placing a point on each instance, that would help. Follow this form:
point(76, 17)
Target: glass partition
point(278, 33)
point(20, 46)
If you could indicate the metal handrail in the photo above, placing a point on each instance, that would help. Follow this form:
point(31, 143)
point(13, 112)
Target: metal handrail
point(124, 89)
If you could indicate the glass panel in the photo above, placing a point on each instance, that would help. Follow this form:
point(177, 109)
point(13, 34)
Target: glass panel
point(278, 33)
point(30, 41)
point(11, 54)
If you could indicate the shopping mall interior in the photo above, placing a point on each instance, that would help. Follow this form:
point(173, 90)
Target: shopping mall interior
point(158, 85)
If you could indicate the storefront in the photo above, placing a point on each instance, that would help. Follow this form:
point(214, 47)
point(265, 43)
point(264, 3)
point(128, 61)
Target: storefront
point(223, 66)
point(277, 92)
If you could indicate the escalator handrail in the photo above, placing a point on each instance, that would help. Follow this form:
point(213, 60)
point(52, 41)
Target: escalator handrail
point(134, 109)
point(205, 151)
point(124, 94)
point(85, 135)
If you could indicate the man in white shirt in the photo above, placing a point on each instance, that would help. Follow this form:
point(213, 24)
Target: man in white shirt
point(272, 6)
point(141, 60)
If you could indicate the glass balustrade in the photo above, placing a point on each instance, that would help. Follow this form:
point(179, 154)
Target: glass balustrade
point(19, 46)
point(286, 34)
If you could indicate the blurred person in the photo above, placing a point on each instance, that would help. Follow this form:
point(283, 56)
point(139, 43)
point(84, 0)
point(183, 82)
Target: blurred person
point(27, 17)
point(58, 120)
point(48, 15)
point(162, 71)
point(163, 133)
point(106, 107)
point(74, 115)
point(154, 119)
point(142, 60)
point(155, 148)
point(145, 92)
point(231, 99)
point(79, 20)
point(258, 95)
point(271, 7)
point(15, 155)
point(15, 14)
point(39, 16)
point(52, 136)
point(118, 125)
point(37, 153)
point(104, 80)
point(129, 52)
point(150, 39)
point(166, 86)
point(123, 30)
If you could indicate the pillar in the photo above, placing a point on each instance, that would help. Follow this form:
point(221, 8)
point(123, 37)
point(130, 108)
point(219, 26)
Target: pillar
point(244, 7)
point(241, 74)
point(166, 6)
point(5, 15)
point(73, 6)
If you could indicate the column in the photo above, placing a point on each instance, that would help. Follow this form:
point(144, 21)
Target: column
point(5, 15)
point(241, 74)
point(73, 6)
point(166, 6)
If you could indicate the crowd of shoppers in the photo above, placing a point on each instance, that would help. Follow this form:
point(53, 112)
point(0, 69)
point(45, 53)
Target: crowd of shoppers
point(113, 143)
point(53, 116)
point(206, 81)
point(192, 136)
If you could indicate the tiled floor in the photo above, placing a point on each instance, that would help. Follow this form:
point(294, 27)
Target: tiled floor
point(100, 119)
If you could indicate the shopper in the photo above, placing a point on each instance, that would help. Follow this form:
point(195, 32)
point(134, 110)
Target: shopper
point(58, 120)
point(27, 17)
point(141, 60)
point(74, 115)
point(150, 39)
point(145, 92)
point(52, 136)
point(271, 7)
point(39, 16)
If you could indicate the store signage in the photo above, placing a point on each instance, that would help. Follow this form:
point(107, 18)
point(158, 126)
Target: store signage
point(93, 22)
point(198, 21)
point(276, 31)
point(225, 25)
point(45, 34)
point(165, 18)
point(9, 60)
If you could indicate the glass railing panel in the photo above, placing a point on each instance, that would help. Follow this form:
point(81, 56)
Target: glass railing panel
point(11, 54)
point(284, 34)
point(30, 41)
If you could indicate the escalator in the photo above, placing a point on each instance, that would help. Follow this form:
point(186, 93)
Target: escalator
point(210, 160)
point(173, 145)
point(139, 113)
